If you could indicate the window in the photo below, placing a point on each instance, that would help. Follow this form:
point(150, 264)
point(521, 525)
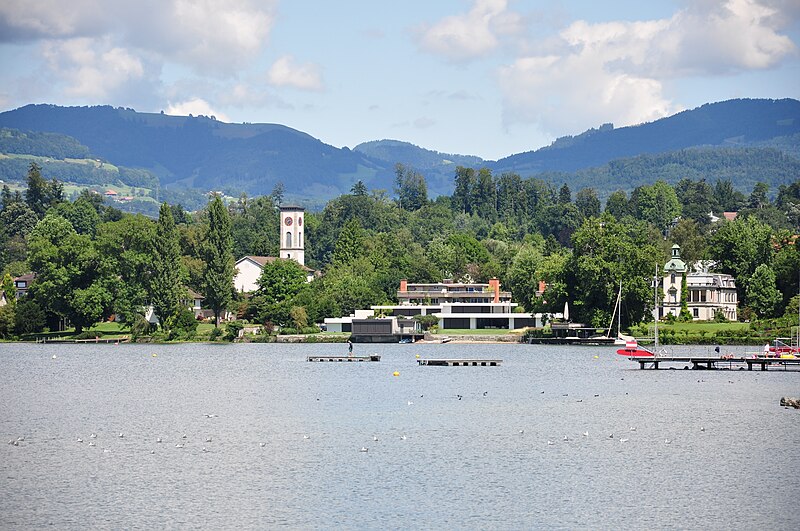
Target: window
point(288, 239)
point(695, 312)
point(672, 278)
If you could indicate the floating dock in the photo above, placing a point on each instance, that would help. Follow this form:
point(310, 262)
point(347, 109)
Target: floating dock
point(373, 357)
point(716, 362)
point(460, 362)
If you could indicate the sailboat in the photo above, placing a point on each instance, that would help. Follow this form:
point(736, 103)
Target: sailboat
point(632, 348)
point(619, 340)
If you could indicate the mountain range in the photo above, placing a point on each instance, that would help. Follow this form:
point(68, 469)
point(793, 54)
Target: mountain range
point(745, 140)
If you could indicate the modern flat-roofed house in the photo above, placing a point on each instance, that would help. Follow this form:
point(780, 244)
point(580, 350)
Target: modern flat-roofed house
point(460, 305)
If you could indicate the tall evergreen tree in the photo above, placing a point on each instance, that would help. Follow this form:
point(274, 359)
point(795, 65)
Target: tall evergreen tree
point(462, 195)
point(218, 257)
point(166, 284)
point(40, 194)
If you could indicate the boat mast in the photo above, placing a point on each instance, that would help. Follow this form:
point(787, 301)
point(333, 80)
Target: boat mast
point(655, 309)
point(619, 310)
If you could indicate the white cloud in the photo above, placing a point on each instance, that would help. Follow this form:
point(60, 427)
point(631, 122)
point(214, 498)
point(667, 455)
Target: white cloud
point(286, 73)
point(195, 106)
point(92, 69)
point(209, 36)
point(615, 71)
point(471, 35)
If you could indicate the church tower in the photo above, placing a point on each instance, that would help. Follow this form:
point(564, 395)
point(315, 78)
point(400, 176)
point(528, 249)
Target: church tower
point(292, 238)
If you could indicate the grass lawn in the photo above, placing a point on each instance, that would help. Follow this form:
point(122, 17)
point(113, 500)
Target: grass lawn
point(697, 328)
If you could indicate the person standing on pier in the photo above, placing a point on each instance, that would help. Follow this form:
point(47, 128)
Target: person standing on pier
point(349, 348)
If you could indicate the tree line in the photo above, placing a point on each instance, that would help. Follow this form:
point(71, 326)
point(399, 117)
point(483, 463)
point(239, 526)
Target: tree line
point(93, 261)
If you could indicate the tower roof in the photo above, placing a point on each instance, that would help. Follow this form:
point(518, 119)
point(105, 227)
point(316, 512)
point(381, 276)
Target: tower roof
point(675, 264)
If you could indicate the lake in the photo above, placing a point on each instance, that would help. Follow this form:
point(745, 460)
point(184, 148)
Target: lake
point(524, 445)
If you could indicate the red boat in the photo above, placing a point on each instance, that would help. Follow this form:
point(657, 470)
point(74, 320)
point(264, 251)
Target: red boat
point(633, 350)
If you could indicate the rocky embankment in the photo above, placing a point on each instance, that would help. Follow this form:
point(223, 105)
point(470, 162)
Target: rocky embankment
point(790, 402)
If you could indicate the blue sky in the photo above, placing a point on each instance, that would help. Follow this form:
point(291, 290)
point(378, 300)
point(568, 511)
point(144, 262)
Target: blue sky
point(478, 77)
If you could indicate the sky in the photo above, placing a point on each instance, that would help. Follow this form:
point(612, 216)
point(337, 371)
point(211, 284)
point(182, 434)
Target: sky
point(474, 77)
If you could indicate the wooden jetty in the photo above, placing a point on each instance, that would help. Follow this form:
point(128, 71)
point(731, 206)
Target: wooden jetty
point(373, 357)
point(716, 362)
point(106, 340)
point(449, 362)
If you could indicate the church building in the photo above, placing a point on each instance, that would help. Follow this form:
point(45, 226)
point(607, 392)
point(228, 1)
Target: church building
point(292, 247)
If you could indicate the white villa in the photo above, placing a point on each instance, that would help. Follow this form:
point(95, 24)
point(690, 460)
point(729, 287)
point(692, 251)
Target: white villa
point(707, 292)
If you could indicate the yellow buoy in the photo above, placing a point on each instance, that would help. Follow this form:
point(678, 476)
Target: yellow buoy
point(155, 355)
point(417, 355)
point(596, 357)
point(396, 373)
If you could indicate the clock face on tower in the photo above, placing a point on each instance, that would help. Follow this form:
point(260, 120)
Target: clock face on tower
point(287, 221)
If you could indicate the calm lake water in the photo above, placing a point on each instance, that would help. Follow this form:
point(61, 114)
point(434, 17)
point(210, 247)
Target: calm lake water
point(286, 439)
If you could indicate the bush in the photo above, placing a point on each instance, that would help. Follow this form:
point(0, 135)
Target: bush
point(182, 325)
point(215, 333)
point(29, 317)
point(232, 330)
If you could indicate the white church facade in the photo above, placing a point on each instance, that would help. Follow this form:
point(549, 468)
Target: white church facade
point(292, 247)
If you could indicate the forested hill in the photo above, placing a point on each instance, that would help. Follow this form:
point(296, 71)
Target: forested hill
point(741, 140)
point(730, 123)
point(202, 152)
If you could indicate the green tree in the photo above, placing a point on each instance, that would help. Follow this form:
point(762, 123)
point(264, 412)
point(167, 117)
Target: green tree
point(587, 203)
point(762, 294)
point(40, 194)
point(564, 194)
point(166, 289)
point(29, 317)
point(410, 187)
point(697, 200)
point(350, 244)
point(299, 317)
point(67, 265)
point(280, 280)
point(218, 257)
point(462, 195)
point(359, 189)
point(81, 214)
point(523, 276)
point(484, 196)
point(727, 197)
point(9, 291)
point(687, 234)
point(684, 315)
point(617, 204)
point(278, 192)
point(739, 246)
point(606, 251)
point(758, 197)
point(657, 204)
point(126, 250)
